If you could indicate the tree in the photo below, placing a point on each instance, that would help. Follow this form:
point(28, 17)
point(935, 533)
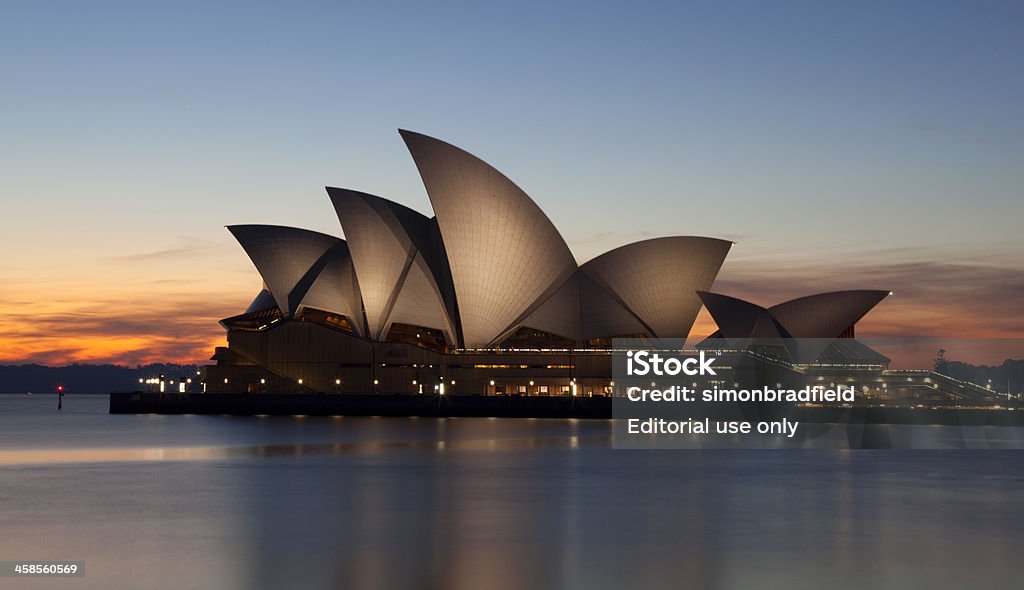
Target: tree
point(940, 364)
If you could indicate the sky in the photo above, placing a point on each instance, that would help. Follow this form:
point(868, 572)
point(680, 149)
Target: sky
point(840, 145)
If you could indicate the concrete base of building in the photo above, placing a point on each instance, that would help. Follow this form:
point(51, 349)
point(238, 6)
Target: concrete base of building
point(433, 406)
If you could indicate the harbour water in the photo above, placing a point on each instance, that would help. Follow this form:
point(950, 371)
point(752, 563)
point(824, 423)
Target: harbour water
point(157, 501)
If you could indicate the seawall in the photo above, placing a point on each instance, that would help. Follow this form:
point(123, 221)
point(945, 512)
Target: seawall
point(362, 405)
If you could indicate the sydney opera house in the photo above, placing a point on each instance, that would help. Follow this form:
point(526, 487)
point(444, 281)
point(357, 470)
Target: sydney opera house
point(482, 297)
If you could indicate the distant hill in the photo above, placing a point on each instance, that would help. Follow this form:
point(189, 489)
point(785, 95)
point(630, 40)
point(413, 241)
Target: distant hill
point(84, 378)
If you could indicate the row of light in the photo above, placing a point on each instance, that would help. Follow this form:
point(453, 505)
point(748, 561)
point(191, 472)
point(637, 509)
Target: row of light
point(263, 381)
point(572, 382)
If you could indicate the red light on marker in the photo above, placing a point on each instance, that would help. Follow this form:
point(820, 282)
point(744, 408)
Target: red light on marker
point(60, 388)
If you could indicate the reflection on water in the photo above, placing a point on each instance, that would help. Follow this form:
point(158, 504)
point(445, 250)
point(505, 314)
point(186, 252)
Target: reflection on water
point(117, 454)
point(211, 502)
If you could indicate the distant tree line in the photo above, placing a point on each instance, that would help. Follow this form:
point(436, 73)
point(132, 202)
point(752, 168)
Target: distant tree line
point(1011, 370)
point(85, 378)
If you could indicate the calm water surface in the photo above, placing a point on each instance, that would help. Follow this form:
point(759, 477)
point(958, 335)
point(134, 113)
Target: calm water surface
point(233, 502)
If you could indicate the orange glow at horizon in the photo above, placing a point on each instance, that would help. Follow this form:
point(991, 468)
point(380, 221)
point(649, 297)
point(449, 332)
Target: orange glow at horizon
point(138, 316)
point(137, 326)
point(105, 349)
point(78, 299)
point(66, 333)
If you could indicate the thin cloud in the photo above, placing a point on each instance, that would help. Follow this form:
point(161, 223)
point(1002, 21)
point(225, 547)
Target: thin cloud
point(188, 247)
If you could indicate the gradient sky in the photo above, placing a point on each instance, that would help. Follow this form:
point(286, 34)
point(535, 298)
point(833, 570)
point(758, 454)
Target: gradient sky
point(870, 145)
